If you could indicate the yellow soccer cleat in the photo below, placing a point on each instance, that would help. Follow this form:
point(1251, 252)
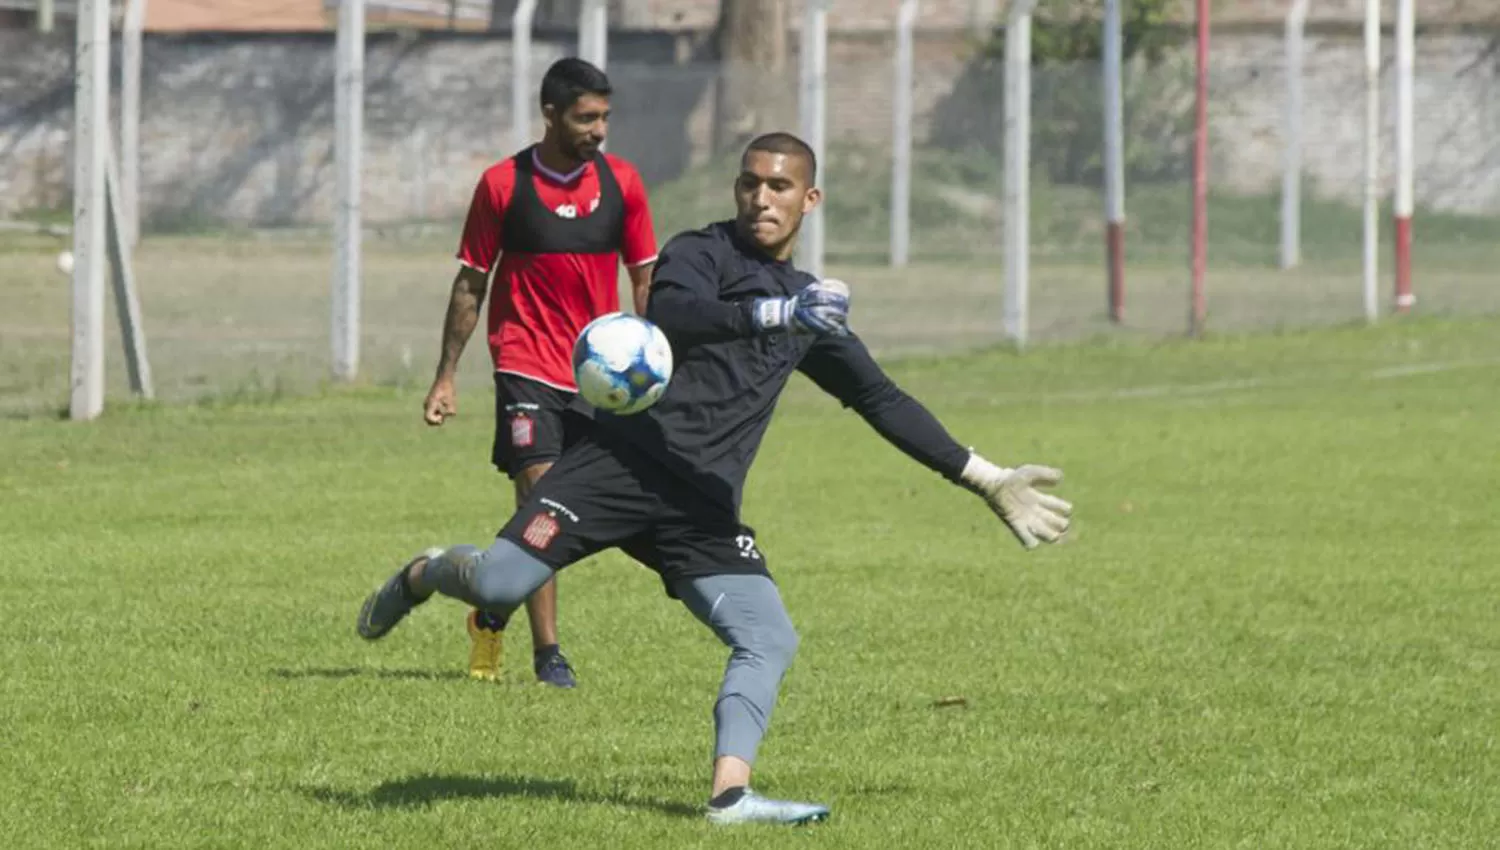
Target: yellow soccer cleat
point(486, 648)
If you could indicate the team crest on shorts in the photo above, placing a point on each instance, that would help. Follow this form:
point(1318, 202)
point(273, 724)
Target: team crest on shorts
point(540, 531)
point(522, 431)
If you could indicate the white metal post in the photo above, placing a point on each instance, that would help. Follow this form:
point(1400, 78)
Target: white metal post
point(1372, 159)
point(349, 96)
point(901, 131)
point(45, 16)
point(1291, 176)
point(1406, 49)
point(90, 147)
point(813, 106)
point(593, 32)
point(130, 120)
point(1114, 158)
point(593, 35)
point(1017, 169)
point(522, 98)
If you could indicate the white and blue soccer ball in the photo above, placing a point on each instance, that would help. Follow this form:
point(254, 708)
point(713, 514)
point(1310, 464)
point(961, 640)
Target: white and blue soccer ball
point(622, 363)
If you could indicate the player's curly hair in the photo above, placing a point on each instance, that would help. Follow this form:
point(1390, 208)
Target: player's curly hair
point(788, 145)
point(571, 78)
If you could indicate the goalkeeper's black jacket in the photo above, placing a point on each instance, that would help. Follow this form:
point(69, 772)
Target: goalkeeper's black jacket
point(708, 425)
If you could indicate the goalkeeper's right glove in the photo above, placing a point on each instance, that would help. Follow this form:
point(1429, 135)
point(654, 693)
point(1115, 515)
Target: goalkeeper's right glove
point(822, 308)
point(1031, 515)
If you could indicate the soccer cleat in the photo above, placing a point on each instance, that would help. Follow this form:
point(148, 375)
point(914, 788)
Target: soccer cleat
point(486, 648)
point(553, 669)
point(388, 605)
point(753, 808)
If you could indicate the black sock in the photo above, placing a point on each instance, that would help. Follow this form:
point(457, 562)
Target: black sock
point(547, 651)
point(486, 620)
point(728, 797)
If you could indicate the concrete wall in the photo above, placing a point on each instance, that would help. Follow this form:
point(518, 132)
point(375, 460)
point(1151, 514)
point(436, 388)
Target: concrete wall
point(240, 128)
point(1456, 127)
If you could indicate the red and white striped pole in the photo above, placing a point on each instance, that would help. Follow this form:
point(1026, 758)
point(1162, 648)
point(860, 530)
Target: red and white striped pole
point(1200, 177)
point(1114, 160)
point(1406, 44)
point(1371, 216)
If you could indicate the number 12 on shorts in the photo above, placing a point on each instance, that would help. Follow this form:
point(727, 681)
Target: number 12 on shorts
point(746, 545)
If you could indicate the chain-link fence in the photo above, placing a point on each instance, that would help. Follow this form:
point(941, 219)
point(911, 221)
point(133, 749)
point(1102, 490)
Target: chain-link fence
point(957, 209)
point(235, 268)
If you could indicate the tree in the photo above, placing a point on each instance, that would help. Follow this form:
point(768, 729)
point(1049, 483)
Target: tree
point(752, 91)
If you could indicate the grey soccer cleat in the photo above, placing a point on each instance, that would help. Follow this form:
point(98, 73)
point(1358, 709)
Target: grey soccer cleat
point(388, 605)
point(753, 808)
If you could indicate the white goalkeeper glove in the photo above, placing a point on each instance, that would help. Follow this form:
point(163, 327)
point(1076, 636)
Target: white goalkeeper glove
point(821, 308)
point(1031, 515)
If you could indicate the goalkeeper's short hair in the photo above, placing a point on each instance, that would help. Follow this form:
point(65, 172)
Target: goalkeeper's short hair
point(789, 145)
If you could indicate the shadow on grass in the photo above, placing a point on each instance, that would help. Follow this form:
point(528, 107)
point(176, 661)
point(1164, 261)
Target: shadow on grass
point(373, 672)
point(33, 415)
point(426, 789)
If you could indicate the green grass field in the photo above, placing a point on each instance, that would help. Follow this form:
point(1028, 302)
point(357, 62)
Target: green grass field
point(1276, 626)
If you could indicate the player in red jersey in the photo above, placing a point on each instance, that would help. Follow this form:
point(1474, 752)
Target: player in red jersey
point(559, 216)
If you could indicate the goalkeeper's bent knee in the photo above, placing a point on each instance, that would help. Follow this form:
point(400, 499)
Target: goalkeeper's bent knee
point(496, 580)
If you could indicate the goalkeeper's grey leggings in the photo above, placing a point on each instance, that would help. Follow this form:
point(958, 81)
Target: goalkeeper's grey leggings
point(745, 611)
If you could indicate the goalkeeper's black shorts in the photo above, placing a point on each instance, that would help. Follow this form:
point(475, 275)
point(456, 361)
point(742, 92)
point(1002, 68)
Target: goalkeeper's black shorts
point(604, 493)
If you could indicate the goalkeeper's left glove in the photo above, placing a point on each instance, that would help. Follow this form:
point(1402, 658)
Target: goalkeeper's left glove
point(821, 308)
point(1031, 515)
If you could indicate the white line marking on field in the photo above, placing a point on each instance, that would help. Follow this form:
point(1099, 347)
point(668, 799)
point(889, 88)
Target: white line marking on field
point(1162, 390)
point(1427, 368)
point(1150, 391)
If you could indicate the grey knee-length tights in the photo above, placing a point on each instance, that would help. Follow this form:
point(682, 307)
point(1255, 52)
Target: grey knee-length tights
point(745, 611)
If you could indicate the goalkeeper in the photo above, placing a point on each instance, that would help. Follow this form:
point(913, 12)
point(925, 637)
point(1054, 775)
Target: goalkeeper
point(665, 485)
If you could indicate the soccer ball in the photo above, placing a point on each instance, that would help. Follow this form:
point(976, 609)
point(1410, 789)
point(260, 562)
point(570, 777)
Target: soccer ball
point(622, 363)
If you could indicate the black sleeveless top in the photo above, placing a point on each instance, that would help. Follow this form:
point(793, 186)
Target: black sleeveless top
point(531, 228)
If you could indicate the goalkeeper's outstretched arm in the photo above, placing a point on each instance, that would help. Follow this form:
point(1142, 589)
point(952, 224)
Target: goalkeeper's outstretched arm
point(843, 368)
